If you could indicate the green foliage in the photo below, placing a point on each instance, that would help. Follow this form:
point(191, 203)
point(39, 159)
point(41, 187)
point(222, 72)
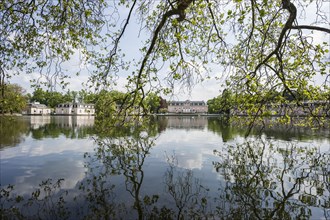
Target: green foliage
point(40, 35)
point(108, 102)
point(87, 97)
point(116, 110)
point(222, 104)
point(153, 102)
point(52, 99)
point(14, 99)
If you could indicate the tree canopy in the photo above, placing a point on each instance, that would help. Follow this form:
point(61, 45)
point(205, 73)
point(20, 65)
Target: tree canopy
point(258, 46)
point(14, 99)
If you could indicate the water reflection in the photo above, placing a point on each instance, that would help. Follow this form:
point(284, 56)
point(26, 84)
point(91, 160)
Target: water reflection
point(114, 158)
point(141, 173)
point(258, 179)
point(12, 132)
point(71, 126)
point(230, 130)
point(185, 122)
point(15, 130)
point(190, 197)
point(268, 180)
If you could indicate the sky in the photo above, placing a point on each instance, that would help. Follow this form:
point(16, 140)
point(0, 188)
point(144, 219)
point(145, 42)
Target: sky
point(130, 45)
point(203, 91)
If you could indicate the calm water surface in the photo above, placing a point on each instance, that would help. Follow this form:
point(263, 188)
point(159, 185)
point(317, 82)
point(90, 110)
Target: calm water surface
point(175, 168)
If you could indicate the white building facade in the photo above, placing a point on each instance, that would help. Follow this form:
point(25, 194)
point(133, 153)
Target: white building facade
point(75, 109)
point(187, 107)
point(36, 108)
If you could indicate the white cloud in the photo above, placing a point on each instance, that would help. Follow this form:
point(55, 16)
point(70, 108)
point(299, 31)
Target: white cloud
point(188, 147)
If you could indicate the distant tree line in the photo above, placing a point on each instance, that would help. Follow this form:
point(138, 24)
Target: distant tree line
point(53, 98)
point(16, 99)
point(228, 100)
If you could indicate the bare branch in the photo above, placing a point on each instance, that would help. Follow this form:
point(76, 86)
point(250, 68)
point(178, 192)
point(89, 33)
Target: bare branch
point(113, 52)
point(180, 10)
point(309, 27)
point(286, 4)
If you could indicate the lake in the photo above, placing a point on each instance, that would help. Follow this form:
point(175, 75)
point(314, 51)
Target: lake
point(174, 167)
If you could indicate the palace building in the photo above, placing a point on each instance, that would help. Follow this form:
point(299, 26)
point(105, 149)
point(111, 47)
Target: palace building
point(75, 109)
point(36, 108)
point(187, 107)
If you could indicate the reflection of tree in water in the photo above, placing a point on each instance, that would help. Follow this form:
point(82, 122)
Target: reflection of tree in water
point(12, 131)
point(126, 156)
point(162, 123)
point(98, 198)
point(223, 128)
point(229, 129)
point(54, 131)
point(190, 197)
point(261, 180)
point(267, 181)
point(46, 202)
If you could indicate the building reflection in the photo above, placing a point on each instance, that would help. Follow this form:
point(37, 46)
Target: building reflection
point(73, 127)
point(39, 121)
point(186, 122)
point(61, 121)
point(222, 127)
point(74, 121)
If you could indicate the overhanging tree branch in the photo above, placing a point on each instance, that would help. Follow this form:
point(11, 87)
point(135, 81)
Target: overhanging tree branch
point(113, 52)
point(309, 27)
point(286, 4)
point(180, 11)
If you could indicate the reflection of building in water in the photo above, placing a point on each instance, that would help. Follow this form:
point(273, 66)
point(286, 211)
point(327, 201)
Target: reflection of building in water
point(39, 121)
point(75, 109)
point(61, 121)
point(187, 107)
point(74, 121)
point(186, 122)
